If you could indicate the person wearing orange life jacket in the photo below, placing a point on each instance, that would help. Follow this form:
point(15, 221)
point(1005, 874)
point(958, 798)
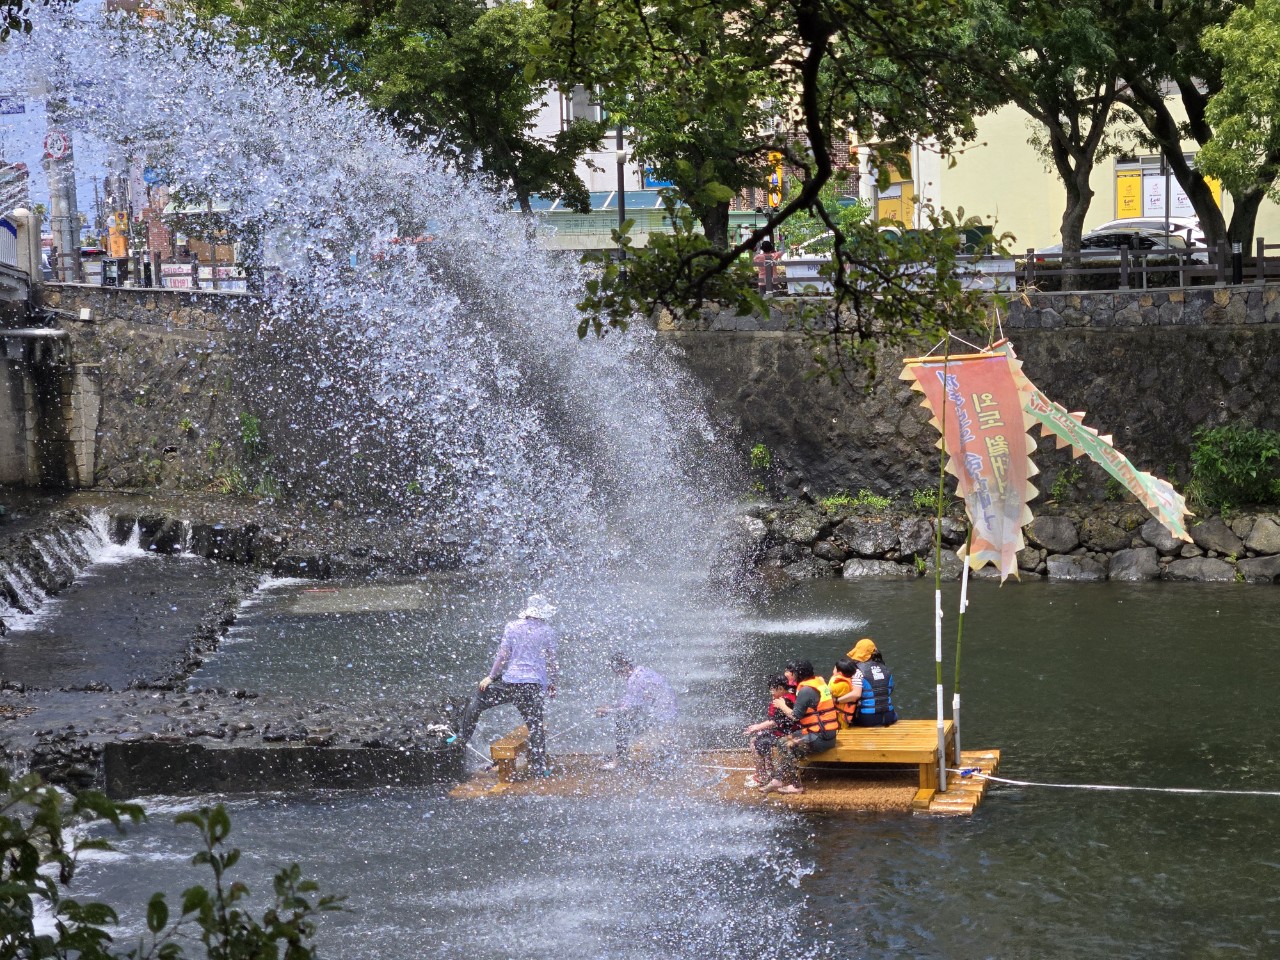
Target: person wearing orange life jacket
point(815, 712)
point(871, 698)
point(841, 683)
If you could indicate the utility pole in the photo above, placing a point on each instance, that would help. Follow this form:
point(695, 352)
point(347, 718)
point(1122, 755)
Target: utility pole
point(64, 217)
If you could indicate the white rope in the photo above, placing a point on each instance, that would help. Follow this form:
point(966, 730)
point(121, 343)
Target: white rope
point(951, 336)
point(970, 772)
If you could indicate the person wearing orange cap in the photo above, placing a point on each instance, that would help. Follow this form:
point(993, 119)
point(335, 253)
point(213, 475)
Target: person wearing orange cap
point(870, 701)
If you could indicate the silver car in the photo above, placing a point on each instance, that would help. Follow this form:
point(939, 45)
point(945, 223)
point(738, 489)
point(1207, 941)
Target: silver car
point(1106, 244)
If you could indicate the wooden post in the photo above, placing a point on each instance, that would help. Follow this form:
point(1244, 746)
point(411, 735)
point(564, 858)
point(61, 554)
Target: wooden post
point(1260, 262)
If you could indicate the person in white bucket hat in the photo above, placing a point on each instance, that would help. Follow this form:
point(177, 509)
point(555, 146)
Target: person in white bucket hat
point(524, 673)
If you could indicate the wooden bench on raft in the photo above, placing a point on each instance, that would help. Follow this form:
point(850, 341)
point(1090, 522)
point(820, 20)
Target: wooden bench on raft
point(907, 741)
point(505, 751)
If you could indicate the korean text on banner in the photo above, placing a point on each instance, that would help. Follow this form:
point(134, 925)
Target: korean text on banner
point(1158, 496)
point(978, 408)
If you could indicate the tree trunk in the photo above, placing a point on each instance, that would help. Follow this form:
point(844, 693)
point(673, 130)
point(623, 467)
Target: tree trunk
point(715, 224)
point(1244, 217)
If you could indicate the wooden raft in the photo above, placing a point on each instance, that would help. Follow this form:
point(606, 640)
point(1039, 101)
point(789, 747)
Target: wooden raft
point(907, 741)
point(834, 782)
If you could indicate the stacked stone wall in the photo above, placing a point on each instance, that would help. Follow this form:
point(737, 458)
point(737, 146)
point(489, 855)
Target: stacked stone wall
point(157, 389)
point(1147, 367)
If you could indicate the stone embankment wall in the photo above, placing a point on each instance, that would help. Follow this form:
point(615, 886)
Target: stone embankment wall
point(1109, 541)
point(1146, 367)
point(155, 384)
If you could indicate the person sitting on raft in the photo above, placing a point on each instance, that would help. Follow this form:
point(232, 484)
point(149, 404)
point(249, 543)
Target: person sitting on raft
point(815, 713)
point(764, 735)
point(870, 702)
point(841, 682)
point(647, 709)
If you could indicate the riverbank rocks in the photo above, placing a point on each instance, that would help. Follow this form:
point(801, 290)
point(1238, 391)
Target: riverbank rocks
point(1214, 535)
point(1082, 568)
point(1140, 563)
point(1264, 536)
point(1260, 569)
point(1055, 534)
point(1088, 542)
point(1201, 569)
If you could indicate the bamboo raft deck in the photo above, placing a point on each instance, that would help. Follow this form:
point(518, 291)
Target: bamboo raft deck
point(849, 780)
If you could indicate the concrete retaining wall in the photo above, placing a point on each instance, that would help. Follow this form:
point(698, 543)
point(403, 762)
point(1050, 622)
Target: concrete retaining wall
point(1147, 367)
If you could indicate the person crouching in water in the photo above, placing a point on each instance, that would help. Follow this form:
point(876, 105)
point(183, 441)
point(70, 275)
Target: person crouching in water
point(870, 702)
point(646, 710)
point(765, 734)
point(815, 713)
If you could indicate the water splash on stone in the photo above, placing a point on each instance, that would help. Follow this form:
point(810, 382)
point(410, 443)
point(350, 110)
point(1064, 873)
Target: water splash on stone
point(439, 386)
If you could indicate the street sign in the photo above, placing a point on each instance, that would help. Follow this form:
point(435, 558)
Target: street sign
point(56, 145)
point(151, 176)
point(12, 103)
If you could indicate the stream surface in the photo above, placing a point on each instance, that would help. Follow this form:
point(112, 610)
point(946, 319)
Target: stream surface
point(1155, 685)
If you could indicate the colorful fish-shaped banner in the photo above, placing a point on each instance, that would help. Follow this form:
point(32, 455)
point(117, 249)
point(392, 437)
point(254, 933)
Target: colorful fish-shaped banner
point(977, 406)
point(1165, 503)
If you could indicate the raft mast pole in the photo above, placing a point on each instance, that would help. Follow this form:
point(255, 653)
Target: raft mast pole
point(937, 587)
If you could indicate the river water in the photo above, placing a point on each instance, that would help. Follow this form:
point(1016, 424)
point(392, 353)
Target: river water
point(1155, 685)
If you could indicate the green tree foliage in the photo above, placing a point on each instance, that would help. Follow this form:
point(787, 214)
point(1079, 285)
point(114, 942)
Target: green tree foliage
point(1057, 62)
point(459, 68)
point(806, 227)
point(711, 89)
point(1165, 63)
point(1245, 149)
point(38, 861)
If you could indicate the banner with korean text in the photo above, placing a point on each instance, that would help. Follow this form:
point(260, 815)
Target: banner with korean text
point(1158, 496)
point(978, 408)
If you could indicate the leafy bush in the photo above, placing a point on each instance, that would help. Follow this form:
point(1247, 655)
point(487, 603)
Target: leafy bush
point(925, 500)
point(38, 861)
point(1064, 483)
point(864, 498)
point(761, 458)
point(1232, 466)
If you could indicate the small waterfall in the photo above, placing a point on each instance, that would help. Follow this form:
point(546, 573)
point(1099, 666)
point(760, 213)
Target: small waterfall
point(39, 564)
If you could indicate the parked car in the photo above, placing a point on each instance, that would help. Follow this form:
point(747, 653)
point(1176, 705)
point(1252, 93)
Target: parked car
point(1107, 243)
point(1188, 227)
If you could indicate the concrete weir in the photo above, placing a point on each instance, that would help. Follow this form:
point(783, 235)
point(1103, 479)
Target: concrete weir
point(137, 742)
point(139, 768)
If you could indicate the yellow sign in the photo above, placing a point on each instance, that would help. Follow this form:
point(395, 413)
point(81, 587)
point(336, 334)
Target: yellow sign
point(775, 180)
point(1128, 194)
point(1215, 187)
point(117, 242)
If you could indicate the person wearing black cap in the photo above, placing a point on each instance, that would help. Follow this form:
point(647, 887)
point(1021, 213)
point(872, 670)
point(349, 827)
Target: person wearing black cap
point(815, 712)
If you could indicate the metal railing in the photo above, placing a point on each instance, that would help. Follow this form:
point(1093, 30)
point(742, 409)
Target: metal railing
point(1123, 269)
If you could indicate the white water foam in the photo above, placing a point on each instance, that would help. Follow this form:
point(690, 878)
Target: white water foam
point(76, 550)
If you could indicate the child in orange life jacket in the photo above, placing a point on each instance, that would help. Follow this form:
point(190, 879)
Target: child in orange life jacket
point(841, 682)
point(764, 734)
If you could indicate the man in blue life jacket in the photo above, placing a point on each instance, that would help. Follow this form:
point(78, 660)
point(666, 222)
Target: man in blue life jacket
point(872, 693)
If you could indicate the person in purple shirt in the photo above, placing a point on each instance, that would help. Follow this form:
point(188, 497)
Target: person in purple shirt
point(524, 673)
point(648, 710)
